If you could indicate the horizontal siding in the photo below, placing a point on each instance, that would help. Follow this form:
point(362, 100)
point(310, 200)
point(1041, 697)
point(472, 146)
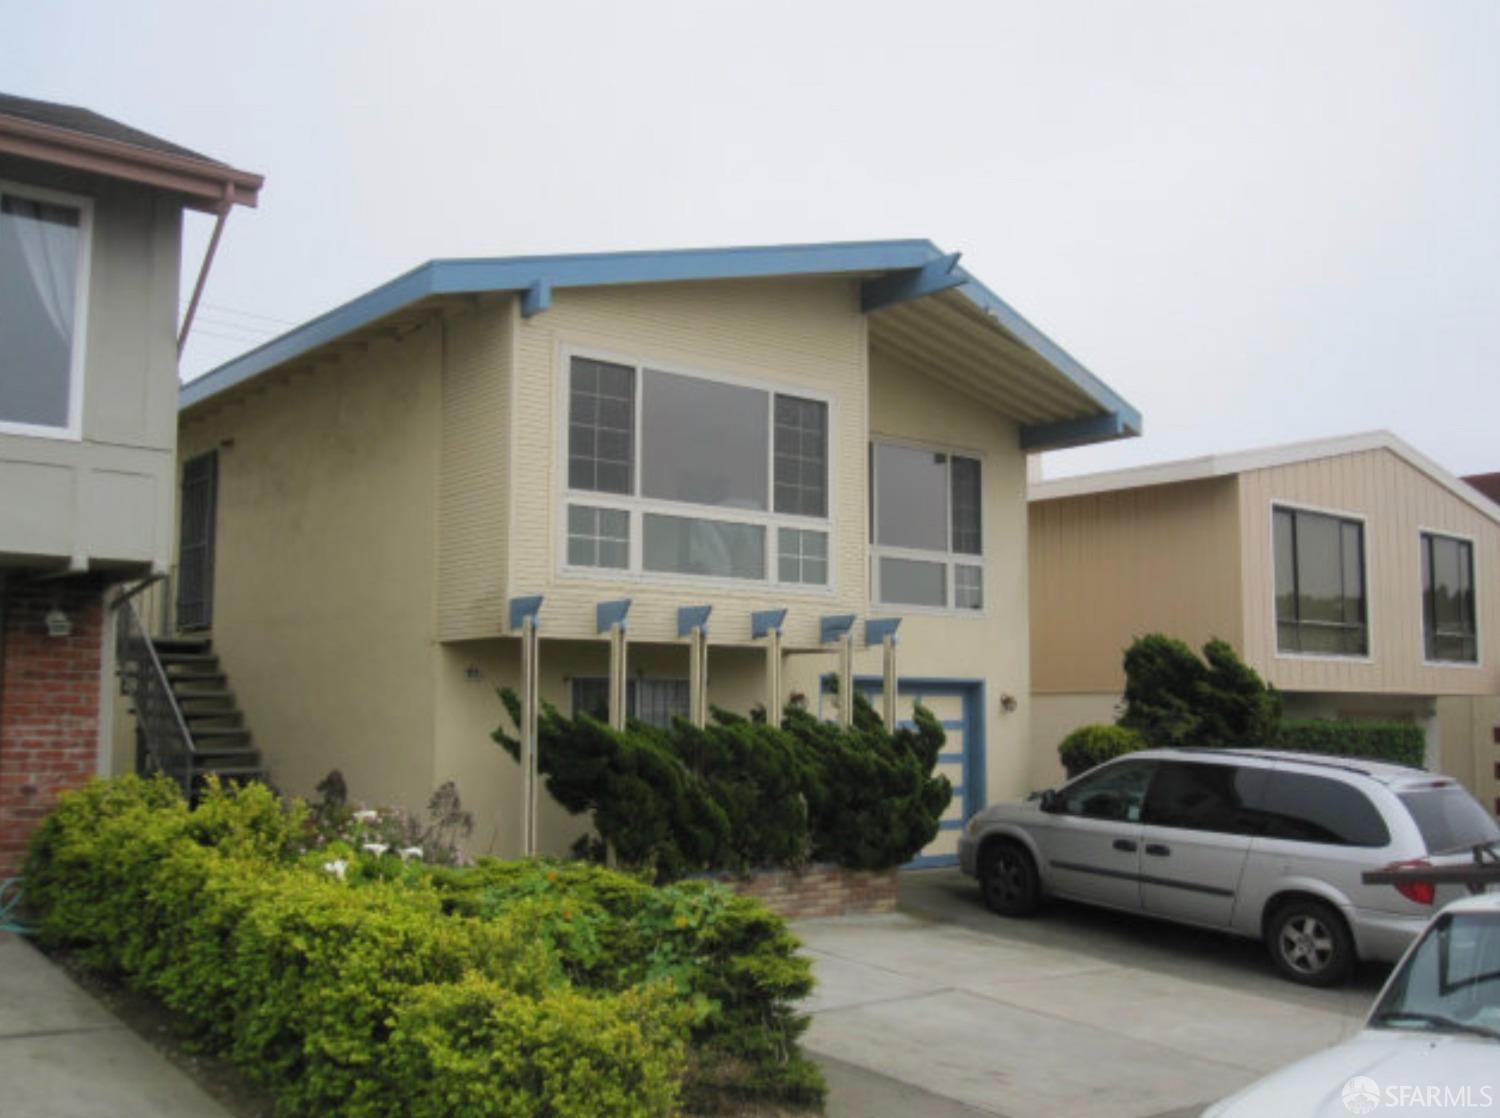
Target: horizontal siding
point(806, 332)
point(1398, 502)
point(1108, 567)
point(474, 482)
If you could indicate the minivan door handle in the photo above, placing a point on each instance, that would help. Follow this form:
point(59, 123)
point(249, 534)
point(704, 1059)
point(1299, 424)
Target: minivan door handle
point(1126, 845)
point(1156, 849)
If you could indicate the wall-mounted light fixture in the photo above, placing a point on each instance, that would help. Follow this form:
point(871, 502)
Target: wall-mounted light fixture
point(1007, 702)
point(58, 623)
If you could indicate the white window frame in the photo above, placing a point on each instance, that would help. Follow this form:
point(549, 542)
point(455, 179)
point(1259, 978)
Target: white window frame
point(949, 557)
point(85, 207)
point(637, 506)
point(1478, 661)
point(1365, 569)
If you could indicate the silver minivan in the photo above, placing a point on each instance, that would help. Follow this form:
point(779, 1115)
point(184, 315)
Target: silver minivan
point(1254, 842)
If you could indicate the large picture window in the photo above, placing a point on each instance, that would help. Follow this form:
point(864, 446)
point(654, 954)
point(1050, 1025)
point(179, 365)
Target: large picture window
point(677, 474)
point(928, 528)
point(44, 239)
point(1448, 611)
point(1321, 605)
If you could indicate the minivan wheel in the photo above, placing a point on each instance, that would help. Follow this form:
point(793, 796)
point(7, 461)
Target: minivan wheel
point(1008, 880)
point(1310, 943)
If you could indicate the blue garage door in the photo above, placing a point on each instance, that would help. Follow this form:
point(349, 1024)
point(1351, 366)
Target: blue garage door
point(959, 703)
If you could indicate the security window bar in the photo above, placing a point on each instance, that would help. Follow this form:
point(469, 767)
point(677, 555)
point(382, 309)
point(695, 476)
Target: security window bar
point(44, 244)
point(927, 527)
point(656, 701)
point(1321, 603)
point(705, 477)
point(1448, 606)
point(598, 537)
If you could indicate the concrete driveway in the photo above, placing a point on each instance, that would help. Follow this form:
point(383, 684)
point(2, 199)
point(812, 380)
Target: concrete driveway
point(947, 1011)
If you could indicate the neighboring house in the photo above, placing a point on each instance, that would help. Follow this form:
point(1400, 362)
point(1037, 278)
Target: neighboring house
point(675, 429)
point(1354, 574)
point(90, 234)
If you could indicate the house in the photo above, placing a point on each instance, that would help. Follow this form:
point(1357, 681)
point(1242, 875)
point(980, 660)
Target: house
point(709, 477)
point(1354, 574)
point(90, 233)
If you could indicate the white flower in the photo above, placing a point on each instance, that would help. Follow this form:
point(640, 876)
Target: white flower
point(410, 852)
point(376, 848)
point(336, 867)
point(368, 815)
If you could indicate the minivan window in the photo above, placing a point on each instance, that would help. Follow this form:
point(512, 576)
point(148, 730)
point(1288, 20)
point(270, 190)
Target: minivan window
point(1306, 808)
point(1113, 793)
point(1449, 818)
point(1205, 797)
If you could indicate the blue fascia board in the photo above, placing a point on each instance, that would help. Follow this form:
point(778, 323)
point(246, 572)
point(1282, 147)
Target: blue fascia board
point(522, 608)
point(536, 298)
point(878, 628)
point(833, 626)
point(913, 283)
point(609, 614)
point(1079, 432)
point(540, 275)
point(692, 617)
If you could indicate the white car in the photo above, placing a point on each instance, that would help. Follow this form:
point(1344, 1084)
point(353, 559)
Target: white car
point(1431, 1045)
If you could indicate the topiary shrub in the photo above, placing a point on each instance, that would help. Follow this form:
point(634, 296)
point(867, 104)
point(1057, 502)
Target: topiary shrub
point(1173, 698)
point(1089, 746)
point(1399, 743)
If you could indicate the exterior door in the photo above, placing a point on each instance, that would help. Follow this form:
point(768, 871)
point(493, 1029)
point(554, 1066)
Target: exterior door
point(1199, 818)
point(195, 547)
point(1091, 840)
point(959, 705)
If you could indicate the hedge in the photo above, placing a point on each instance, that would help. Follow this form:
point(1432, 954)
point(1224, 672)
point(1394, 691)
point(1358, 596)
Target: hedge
point(740, 794)
point(1400, 743)
point(1088, 746)
point(513, 989)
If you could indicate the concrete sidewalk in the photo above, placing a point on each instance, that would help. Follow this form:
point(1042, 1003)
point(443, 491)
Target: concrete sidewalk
point(63, 1055)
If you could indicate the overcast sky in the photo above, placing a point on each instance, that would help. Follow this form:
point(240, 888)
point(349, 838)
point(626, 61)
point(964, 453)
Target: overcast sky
point(1258, 222)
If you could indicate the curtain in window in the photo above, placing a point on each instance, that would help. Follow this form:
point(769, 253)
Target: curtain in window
point(48, 236)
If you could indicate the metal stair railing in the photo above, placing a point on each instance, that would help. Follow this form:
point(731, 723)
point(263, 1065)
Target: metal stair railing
point(167, 743)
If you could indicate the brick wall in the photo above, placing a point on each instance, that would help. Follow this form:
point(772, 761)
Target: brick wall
point(49, 703)
point(820, 891)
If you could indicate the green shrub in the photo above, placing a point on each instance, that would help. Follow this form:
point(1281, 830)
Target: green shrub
point(301, 977)
point(1400, 743)
point(1173, 698)
point(740, 795)
point(1088, 746)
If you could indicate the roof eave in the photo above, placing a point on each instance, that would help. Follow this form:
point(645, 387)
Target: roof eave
point(204, 184)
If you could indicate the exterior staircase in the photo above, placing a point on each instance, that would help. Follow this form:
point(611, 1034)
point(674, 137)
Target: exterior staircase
point(221, 741)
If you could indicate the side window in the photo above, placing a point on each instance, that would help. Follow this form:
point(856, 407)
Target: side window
point(1307, 808)
point(1114, 792)
point(1205, 797)
point(195, 542)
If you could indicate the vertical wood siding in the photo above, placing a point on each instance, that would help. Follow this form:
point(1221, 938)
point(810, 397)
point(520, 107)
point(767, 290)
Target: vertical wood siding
point(1109, 567)
point(1398, 502)
point(474, 471)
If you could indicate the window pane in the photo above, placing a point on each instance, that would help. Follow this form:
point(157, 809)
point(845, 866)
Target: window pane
point(598, 537)
point(1448, 598)
point(802, 556)
point(658, 701)
point(801, 456)
point(1306, 808)
point(1199, 797)
point(601, 426)
point(38, 289)
point(1354, 577)
point(913, 583)
point(1113, 792)
point(1286, 577)
point(1319, 569)
point(968, 532)
point(683, 545)
point(704, 442)
point(968, 587)
point(911, 495)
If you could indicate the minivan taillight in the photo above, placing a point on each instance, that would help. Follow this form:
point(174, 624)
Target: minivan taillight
point(1422, 892)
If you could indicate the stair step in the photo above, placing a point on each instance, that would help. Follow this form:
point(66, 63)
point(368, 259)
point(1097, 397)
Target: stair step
point(175, 678)
point(169, 658)
point(233, 716)
point(218, 695)
point(181, 644)
point(249, 772)
point(229, 759)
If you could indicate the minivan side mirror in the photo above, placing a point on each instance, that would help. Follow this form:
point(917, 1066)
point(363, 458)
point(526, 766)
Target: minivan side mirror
point(1050, 801)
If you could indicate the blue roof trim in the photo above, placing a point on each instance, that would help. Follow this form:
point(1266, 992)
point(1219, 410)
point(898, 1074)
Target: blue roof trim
point(539, 276)
point(692, 617)
point(833, 626)
point(902, 287)
point(1079, 432)
point(609, 614)
point(522, 608)
point(878, 628)
point(766, 621)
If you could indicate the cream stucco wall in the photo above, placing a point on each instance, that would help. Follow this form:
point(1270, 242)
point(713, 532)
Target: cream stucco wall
point(325, 578)
point(1054, 717)
point(106, 498)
